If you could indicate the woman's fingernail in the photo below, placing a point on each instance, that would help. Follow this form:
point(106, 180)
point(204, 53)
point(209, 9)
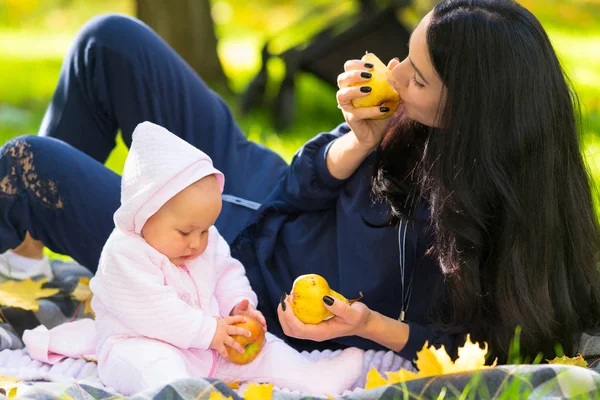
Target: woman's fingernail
point(396, 58)
point(366, 75)
point(282, 301)
point(369, 65)
point(365, 89)
point(384, 109)
point(328, 300)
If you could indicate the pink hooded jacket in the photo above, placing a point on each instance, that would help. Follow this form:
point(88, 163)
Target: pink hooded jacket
point(138, 292)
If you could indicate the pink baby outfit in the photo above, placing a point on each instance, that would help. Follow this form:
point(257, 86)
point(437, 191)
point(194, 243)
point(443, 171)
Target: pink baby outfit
point(154, 320)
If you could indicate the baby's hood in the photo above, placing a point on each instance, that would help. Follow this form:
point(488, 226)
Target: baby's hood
point(159, 165)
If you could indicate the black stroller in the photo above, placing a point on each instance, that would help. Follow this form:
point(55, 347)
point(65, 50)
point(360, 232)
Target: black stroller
point(325, 53)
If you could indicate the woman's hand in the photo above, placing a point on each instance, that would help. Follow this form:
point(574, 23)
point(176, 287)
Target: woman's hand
point(348, 320)
point(368, 132)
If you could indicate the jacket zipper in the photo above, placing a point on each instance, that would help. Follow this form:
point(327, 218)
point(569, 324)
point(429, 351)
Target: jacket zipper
point(214, 353)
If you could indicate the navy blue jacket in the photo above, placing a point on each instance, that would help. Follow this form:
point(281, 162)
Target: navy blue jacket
point(315, 223)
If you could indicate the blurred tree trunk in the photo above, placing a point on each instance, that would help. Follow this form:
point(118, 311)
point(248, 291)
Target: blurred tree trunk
point(188, 27)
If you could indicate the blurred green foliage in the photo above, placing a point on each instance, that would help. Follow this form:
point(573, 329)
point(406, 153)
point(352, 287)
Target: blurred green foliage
point(35, 35)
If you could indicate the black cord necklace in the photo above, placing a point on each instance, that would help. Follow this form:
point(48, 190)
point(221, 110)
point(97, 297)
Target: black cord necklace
point(406, 292)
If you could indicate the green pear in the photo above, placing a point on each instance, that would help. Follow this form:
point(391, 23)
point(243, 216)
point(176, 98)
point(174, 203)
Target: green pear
point(382, 94)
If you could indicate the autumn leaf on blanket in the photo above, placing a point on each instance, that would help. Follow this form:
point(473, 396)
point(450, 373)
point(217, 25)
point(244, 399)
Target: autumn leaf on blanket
point(8, 386)
point(401, 375)
point(90, 358)
point(234, 385)
point(24, 294)
point(374, 379)
point(257, 391)
point(577, 360)
point(218, 396)
point(433, 362)
point(472, 357)
point(83, 293)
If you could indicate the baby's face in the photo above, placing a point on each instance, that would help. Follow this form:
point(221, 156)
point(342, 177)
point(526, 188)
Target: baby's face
point(179, 229)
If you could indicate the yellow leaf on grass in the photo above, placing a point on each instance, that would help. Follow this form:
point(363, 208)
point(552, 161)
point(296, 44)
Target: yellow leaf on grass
point(577, 360)
point(374, 379)
point(83, 293)
point(218, 396)
point(257, 391)
point(8, 385)
point(433, 362)
point(471, 357)
point(24, 294)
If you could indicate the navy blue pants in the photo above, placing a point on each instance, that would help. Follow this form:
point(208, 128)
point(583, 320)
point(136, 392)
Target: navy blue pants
point(117, 74)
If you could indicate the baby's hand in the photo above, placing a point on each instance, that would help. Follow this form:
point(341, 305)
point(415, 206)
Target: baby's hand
point(245, 308)
point(223, 335)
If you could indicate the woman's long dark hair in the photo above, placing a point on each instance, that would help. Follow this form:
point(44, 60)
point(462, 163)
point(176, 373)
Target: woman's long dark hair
point(511, 203)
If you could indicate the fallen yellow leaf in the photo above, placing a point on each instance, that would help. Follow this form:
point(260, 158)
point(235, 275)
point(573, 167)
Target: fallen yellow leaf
point(471, 357)
point(24, 294)
point(83, 293)
point(233, 385)
point(8, 385)
point(257, 391)
point(401, 375)
point(90, 359)
point(374, 379)
point(218, 396)
point(433, 362)
point(577, 360)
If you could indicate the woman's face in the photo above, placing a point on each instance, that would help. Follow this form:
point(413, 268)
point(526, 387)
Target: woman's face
point(416, 80)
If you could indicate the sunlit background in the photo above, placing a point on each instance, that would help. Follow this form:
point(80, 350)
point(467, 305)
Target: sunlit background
point(35, 35)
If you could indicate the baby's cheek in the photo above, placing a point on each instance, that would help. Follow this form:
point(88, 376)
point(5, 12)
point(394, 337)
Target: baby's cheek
point(204, 246)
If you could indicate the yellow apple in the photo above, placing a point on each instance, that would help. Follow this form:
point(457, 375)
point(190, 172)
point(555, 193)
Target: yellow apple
point(252, 345)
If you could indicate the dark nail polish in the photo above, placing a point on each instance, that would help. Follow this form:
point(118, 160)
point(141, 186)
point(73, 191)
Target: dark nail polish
point(384, 109)
point(369, 65)
point(283, 296)
point(328, 300)
point(366, 75)
point(365, 89)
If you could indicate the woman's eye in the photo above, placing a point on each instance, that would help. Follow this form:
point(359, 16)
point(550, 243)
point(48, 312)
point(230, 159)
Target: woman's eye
point(414, 79)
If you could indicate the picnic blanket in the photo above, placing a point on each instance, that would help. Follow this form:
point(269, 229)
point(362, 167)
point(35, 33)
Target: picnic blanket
point(512, 382)
point(78, 378)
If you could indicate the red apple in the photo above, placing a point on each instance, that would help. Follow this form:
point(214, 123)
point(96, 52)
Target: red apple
point(252, 345)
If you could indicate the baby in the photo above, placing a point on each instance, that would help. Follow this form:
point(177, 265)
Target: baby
point(167, 290)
